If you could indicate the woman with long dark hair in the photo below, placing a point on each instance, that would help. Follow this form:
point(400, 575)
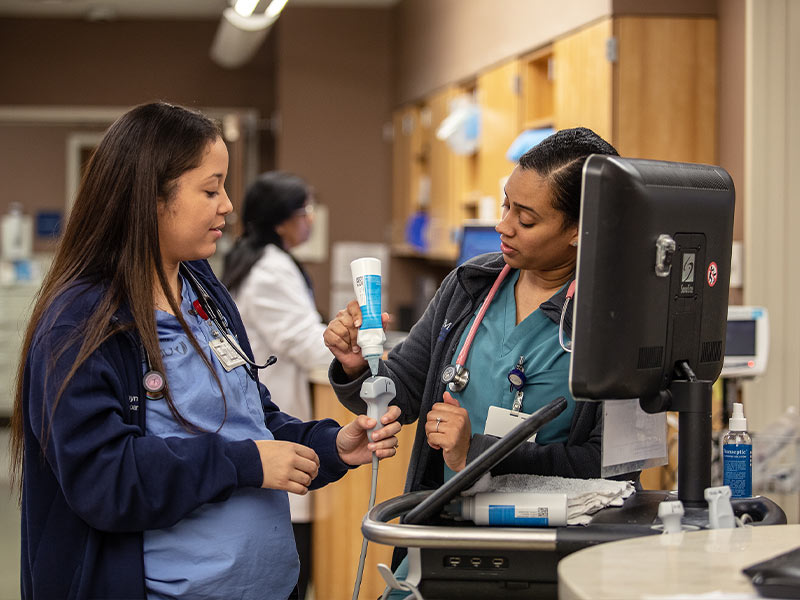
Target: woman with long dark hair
point(150, 459)
point(274, 297)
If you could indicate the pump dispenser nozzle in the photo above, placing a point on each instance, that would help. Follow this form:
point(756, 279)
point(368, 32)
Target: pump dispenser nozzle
point(372, 361)
point(738, 422)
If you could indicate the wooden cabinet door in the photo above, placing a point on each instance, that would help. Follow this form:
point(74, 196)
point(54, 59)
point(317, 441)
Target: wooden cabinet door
point(448, 182)
point(406, 168)
point(499, 99)
point(666, 88)
point(583, 80)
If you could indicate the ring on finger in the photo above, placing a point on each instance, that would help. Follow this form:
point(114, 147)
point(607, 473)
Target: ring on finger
point(438, 421)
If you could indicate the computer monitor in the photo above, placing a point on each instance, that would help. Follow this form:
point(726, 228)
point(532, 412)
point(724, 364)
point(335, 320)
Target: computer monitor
point(478, 239)
point(746, 342)
point(652, 292)
point(652, 277)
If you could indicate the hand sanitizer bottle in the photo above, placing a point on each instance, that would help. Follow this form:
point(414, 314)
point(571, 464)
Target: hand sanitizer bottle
point(737, 458)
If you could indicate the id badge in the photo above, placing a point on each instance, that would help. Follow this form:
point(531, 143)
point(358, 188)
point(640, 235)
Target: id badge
point(500, 421)
point(227, 356)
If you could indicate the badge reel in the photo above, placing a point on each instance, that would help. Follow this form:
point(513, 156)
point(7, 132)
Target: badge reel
point(499, 421)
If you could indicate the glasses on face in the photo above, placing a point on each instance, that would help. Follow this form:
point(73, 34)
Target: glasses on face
point(306, 211)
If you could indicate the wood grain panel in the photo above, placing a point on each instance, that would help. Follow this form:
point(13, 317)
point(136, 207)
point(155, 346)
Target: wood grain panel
point(537, 89)
point(666, 88)
point(339, 509)
point(583, 79)
point(406, 168)
point(448, 173)
point(499, 99)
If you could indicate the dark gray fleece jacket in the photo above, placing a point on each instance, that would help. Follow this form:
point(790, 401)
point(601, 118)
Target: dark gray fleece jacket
point(416, 364)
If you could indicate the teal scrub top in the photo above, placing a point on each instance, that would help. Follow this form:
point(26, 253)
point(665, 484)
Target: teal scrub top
point(496, 349)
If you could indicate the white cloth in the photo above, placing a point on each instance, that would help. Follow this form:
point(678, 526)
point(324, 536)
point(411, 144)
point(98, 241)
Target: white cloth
point(281, 319)
point(584, 496)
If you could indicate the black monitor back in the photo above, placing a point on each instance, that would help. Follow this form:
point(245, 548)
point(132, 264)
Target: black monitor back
point(631, 326)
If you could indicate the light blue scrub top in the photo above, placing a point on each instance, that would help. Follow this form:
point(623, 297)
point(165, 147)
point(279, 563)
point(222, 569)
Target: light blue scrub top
point(240, 548)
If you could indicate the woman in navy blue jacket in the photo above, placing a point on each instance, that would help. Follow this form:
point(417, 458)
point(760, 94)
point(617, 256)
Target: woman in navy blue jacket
point(129, 490)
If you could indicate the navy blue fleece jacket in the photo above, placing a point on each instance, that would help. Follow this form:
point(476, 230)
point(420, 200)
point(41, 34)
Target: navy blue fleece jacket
point(101, 481)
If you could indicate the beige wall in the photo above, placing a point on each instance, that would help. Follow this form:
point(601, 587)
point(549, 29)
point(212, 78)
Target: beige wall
point(445, 41)
point(83, 65)
point(119, 63)
point(334, 85)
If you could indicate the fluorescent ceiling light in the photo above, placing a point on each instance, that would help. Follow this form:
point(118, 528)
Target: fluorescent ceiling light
point(275, 7)
point(245, 7)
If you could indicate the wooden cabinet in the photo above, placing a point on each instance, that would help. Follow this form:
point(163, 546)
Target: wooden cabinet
point(448, 173)
point(408, 168)
point(499, 98)
point(665, 88)
point(646, 84)
point(582, 80)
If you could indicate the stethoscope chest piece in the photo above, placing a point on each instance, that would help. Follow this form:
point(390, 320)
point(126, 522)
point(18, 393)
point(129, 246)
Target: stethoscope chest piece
point(154, 385)
point(456, 377)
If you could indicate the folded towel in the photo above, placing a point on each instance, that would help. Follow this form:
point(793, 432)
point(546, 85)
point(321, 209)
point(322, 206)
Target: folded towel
point(584, 496)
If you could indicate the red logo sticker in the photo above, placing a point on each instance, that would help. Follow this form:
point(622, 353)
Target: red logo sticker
point(712, 274)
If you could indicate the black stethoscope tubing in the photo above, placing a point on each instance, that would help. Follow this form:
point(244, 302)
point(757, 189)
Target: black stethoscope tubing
point(154, 381)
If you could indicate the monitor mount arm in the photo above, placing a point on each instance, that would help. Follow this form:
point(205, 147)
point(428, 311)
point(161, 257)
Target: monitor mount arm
point(691, 398)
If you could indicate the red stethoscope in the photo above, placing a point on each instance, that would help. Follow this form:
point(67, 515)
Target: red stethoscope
point(456, 376)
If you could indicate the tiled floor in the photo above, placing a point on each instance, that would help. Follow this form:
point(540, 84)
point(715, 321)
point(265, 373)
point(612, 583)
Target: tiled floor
point(9, 526)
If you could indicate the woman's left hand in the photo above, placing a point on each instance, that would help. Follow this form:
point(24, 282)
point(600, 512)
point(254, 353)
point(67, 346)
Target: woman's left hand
point(353, 443)
point(448, 428)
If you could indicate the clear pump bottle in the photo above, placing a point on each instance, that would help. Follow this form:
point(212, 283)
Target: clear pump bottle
point(737, 456)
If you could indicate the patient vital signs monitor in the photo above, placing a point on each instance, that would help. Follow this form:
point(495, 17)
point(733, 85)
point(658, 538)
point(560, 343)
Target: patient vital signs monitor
point(746, 342)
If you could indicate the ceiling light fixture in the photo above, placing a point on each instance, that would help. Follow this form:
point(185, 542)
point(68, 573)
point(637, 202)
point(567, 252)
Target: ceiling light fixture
point(275, 7)
point(238, 37)
point(245, 7)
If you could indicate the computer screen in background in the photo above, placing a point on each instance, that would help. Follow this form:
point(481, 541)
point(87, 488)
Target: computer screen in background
point(478, 239)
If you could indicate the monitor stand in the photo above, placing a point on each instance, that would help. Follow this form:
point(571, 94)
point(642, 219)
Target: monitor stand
point(691, 398)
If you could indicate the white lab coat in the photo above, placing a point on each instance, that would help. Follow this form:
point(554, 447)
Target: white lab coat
point(281, 319)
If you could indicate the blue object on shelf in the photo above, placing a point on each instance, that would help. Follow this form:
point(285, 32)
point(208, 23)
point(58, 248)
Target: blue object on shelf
point(527, 140)
point(48, 224)
point(417, 230)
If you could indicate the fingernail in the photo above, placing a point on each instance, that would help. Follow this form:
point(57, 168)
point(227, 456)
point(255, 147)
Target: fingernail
point(357, 323)
point(356, 349)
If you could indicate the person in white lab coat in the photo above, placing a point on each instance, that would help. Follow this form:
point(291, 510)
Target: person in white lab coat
point(275, 299)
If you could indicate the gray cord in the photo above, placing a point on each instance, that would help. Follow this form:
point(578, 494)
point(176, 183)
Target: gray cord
point(372, 493)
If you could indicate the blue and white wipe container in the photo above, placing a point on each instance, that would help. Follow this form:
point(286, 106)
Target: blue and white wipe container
point(737, 456)
point(367, 285)
point(523, 509)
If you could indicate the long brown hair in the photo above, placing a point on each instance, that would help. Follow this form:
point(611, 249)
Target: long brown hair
point(111, 240)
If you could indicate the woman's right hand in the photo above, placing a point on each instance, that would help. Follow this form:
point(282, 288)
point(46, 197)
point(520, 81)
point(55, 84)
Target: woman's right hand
point(341, 338)
point(287, 466)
